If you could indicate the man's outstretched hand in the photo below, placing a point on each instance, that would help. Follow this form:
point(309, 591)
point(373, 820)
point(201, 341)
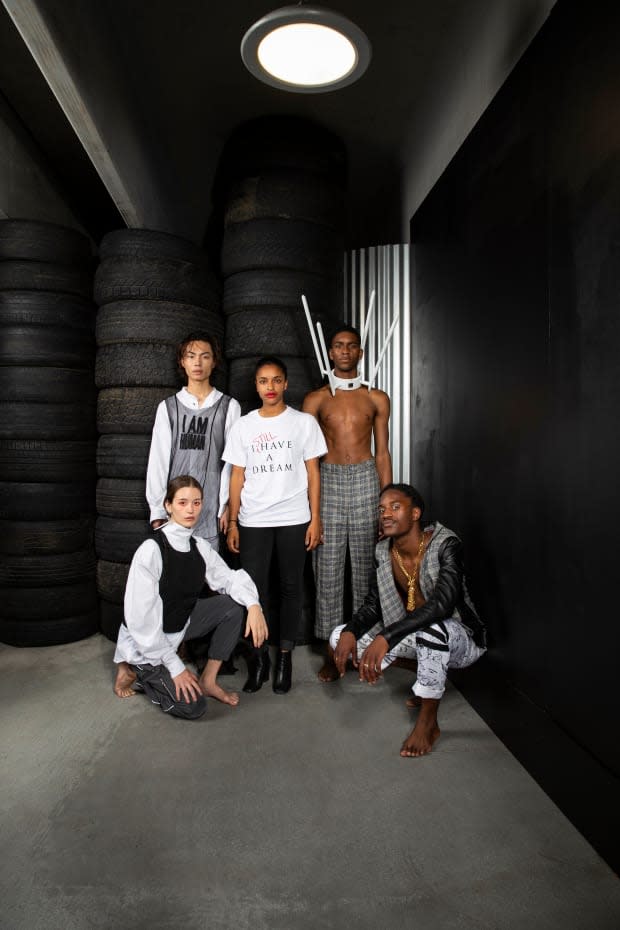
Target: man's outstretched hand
point(370, 663)
point(345, 650)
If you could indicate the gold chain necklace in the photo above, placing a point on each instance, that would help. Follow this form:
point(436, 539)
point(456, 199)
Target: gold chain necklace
point(411, 579)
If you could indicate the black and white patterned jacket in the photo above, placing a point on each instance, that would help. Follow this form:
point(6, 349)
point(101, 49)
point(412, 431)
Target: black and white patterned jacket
point(442, 582)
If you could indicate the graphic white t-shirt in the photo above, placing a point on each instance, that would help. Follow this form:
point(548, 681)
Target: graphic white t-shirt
point(273, 451)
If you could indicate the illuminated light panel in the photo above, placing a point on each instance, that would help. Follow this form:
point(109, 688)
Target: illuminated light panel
point(306, 49)
point(307, 54)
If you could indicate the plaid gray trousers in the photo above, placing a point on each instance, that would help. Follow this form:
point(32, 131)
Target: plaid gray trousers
point(349, 514)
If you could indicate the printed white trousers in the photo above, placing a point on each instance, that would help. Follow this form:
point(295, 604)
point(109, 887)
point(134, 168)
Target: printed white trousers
point(443, 645)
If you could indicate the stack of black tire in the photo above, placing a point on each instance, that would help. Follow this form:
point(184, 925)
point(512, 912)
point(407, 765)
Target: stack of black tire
point(281, 189)
point(152, 290)
point(47, 435)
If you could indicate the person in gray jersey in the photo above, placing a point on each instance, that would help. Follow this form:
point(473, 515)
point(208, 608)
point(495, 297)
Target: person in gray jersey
point(189, 435)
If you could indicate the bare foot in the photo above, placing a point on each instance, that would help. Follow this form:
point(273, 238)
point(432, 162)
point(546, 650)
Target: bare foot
point(212, 689)
point(328, 672)
point(125, 677)
point(413, 701)
point(426, 731)
point(421, 739)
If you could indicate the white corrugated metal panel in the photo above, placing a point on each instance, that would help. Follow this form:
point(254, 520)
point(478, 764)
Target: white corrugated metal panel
point(385, 269)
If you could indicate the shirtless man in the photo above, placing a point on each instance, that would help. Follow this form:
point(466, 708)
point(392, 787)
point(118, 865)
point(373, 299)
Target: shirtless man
point(417, 608)
point(350, 483)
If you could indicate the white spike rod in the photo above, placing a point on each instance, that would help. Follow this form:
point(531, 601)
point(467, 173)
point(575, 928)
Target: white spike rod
point(371, 307)
point(321, 353)
point(329, 371)
point(382, 353)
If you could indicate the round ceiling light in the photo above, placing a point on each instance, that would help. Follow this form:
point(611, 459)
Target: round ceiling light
point(305, 49)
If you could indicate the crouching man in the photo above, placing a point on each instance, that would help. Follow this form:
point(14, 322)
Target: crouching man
point(417, 608)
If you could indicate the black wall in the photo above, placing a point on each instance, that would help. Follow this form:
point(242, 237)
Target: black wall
point(516, 430)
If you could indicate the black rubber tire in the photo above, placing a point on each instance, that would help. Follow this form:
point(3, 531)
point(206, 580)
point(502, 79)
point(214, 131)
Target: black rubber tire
point(282, 290)
point(68, 629)
point(34, 501)
point(47, 421)
point(46, 461)
point(267, 332)
point(273, 142)
point(135, 365)
point(25, 605)
point(44, 308)
point(49, 346)
point(116, 540)
point(302, 377)
point(112, 580)
point(163, 321)
point(287, 194)
point(47, 385)
point(45, 276)
point(123, 279)
point(129, 410)
point(41, 571)
point(38, 241)
point(137, 244)
point(110, 619)
point(290, 244)
point(50, 537)
point(122, 497)
point(123, 456)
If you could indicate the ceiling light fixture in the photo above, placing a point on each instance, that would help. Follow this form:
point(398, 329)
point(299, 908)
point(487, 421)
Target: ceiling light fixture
point(305, 49)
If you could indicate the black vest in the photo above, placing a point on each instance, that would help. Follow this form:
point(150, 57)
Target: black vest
point(182, 578)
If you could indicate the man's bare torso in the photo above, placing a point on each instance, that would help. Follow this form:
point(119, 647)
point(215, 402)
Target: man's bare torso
point(412, 566)
point(346, 420)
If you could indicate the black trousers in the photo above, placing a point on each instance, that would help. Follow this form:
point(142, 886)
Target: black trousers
point(257, 545)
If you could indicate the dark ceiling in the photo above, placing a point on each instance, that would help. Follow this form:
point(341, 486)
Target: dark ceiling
point(183, 80)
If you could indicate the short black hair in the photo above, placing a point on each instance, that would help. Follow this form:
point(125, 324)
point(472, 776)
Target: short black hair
point(409, 491)
point(271, 360)
point(344, 328)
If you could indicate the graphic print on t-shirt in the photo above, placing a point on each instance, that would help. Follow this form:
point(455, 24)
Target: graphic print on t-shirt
point(193, 434)
point(273, 456)
point(269, 448)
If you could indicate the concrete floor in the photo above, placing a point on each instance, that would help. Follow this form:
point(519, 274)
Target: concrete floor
point(290, 812)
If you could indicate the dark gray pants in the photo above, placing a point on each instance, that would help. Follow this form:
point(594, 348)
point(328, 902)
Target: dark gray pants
point(219, 615)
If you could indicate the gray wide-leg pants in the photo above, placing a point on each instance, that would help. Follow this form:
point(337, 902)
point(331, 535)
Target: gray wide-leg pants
point(219, 615)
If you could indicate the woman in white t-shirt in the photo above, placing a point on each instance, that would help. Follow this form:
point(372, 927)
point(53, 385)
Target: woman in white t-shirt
point(274, 506)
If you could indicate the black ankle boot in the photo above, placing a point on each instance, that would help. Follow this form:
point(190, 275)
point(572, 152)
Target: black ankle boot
point(284, 671)
point(259, 665)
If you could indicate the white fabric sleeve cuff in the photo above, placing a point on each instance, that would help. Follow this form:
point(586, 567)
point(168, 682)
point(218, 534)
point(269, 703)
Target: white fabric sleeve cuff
point(175, 665)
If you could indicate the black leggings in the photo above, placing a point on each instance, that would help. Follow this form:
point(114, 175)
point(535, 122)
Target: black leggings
point(256, 546)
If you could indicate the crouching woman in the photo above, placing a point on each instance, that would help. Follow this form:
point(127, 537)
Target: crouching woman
point(163, 608)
